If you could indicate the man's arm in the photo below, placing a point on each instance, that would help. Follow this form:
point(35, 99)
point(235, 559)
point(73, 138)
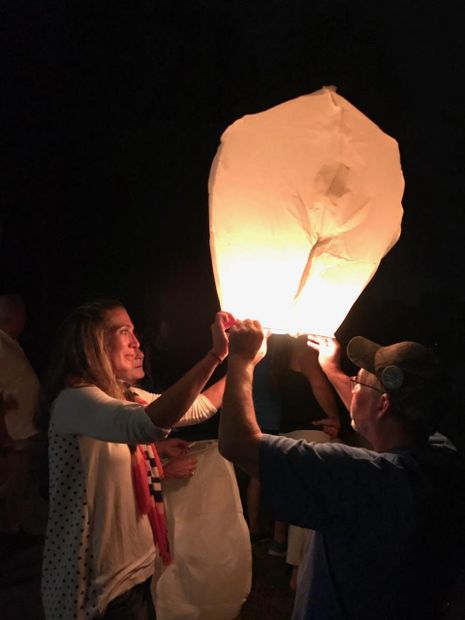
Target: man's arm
point(328, 356)
point(239, 433)
point(322, 390)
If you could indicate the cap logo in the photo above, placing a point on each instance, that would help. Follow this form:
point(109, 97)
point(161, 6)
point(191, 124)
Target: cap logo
point(392, 377)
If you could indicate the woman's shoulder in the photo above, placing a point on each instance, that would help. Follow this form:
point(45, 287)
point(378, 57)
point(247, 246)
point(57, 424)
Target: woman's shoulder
point(81, 393)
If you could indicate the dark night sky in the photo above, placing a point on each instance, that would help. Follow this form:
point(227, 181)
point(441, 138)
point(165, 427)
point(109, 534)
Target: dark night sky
point(114, 112)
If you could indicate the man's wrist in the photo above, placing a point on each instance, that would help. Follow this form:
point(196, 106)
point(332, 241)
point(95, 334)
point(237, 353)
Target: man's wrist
point(241, 359)
point(331, 369)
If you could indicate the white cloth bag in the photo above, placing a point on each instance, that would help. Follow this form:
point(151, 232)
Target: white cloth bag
point(210, 575)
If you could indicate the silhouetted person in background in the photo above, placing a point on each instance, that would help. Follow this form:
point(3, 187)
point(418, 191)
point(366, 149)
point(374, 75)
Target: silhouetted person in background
point(19, 394)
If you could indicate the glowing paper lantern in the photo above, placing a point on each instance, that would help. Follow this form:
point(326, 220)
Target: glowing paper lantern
point(305, 200)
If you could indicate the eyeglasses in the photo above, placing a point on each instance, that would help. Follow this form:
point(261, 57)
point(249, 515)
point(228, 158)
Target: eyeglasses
point(354, 382)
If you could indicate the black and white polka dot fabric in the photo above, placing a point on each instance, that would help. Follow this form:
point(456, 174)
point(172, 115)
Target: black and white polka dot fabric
point(68, 561)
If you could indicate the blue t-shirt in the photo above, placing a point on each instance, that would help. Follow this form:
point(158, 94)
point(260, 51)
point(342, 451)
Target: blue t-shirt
point(388, 525)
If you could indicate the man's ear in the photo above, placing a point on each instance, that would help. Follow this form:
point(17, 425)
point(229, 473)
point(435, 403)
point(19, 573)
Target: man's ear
point(384, 404)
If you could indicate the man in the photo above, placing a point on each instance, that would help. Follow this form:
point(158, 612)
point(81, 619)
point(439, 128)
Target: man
point(18, 382)
point(19, 393)
point(388, 521)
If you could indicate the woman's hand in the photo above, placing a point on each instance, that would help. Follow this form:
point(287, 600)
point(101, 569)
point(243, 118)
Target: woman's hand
point(180, 467)
point(331, 426)
point(223, 321)
point(172, 447)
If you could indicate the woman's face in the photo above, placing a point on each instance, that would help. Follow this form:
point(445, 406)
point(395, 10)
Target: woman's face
point(123, 347)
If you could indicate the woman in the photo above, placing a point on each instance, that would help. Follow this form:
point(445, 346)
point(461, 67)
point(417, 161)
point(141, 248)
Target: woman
point(106, 521)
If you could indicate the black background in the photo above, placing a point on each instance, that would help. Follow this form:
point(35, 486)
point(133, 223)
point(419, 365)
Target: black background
point(114, 112)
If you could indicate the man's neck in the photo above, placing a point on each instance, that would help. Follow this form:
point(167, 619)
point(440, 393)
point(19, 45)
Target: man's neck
point(392, 441)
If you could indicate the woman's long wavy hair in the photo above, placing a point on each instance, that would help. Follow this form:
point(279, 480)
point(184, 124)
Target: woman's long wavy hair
point(80, 356)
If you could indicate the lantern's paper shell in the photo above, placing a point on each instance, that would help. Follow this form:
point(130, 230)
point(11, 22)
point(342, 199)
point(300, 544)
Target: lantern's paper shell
point(305, 200)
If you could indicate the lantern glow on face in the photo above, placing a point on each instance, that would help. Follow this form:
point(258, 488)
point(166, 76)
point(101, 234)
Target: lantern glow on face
point(305, 200)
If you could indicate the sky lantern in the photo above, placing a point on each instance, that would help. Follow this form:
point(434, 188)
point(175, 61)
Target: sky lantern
point(305, 200)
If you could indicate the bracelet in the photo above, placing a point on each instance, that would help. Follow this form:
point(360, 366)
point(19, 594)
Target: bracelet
point(217, 357)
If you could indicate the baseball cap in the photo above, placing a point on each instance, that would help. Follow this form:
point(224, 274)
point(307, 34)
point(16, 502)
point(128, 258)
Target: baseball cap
point(406, 370)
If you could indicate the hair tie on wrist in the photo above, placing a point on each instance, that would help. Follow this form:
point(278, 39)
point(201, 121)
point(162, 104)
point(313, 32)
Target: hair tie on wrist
point(217, 357)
